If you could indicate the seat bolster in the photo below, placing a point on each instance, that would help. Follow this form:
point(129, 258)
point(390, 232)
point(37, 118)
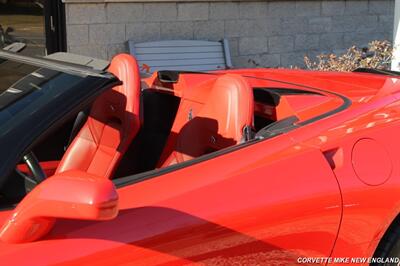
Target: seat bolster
point(80, 153)
point(125, 67)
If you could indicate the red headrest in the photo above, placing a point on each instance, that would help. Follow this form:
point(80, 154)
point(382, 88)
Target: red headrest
point(120, 105)
point(220, 122)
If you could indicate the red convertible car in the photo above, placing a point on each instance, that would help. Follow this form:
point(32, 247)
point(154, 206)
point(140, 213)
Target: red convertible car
point(235, 167)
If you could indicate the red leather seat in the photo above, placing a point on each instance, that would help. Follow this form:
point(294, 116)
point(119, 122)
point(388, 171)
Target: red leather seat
point(112, 124)
point(219, 124)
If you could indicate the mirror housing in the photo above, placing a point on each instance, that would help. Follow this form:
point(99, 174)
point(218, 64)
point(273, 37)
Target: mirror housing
point(70, 195)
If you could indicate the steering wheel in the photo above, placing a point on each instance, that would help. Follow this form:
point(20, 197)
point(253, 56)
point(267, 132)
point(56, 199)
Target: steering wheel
point(38, 174)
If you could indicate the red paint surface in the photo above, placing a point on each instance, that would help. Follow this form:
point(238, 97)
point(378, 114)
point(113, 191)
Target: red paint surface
point(269, 203)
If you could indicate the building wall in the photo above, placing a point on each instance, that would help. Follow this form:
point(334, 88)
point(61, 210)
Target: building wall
point(261, 33)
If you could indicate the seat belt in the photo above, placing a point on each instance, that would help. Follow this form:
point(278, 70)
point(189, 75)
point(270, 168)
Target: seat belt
point(248, 134)
point(78, 124)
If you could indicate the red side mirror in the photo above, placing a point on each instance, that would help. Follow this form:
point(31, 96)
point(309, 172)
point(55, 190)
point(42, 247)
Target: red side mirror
point(70, 195)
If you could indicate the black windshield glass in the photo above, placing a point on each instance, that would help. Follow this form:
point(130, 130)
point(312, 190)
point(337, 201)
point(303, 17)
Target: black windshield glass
point(25, 87)
point(10, 74)
point(17, 80)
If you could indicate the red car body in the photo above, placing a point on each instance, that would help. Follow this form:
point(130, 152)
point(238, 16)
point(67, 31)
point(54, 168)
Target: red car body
point(327, 189)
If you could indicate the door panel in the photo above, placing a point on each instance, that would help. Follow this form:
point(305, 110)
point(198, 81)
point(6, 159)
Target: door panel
point(264, 203)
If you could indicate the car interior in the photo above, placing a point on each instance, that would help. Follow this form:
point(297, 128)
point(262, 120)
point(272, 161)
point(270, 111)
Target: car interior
point(167, 119)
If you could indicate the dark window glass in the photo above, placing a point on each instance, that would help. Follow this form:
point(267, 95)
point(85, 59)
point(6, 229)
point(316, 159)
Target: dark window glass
point(10, 74)
point(25, 87)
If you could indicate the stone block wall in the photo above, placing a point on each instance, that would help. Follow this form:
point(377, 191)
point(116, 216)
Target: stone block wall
point(261, 33)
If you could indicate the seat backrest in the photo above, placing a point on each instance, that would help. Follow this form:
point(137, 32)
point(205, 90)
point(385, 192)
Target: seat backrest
point(220, 123)
point(190, 55)
point(112, 124)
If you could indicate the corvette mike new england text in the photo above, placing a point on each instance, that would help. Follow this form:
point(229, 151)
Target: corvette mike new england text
point(349, 260)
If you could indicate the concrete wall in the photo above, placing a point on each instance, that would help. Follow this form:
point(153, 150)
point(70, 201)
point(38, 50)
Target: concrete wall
point(261, 33)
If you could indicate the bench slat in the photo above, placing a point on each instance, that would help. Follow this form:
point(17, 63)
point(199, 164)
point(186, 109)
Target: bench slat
point(193, 55)
point(183, 49)
point(190, 68)
point(175, 56)
point(184, 62)
point(177, 43)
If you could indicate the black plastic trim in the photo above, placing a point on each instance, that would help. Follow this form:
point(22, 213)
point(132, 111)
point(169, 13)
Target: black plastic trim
point(129, 180)
point(346, 101)
point(272, 96)
point(377, 71)
point(278, 127)
point(286, 91)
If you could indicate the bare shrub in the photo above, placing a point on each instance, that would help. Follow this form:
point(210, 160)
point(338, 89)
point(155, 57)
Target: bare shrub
point(377, 55)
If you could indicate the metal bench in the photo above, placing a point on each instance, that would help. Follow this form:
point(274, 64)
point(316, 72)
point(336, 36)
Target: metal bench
point(185, 55)
point(15, 47)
